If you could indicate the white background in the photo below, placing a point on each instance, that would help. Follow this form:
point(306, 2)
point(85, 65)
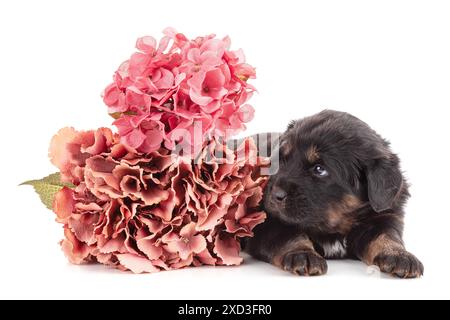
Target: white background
point(387, 62)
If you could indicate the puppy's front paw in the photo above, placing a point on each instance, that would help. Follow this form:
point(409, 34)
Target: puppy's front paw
point(401, 264)
point(304, 263)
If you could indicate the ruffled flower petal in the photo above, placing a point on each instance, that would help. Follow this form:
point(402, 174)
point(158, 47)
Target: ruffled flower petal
point(151, 212)
point(136, 264)
point(76, 251)
point(64, 204)
point(227, 249)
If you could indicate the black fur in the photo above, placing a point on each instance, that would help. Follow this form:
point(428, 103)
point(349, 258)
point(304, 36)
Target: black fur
point(359, 199)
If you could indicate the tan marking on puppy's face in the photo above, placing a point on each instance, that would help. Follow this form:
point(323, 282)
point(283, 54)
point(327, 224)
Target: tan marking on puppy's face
point(341, 216)
point(383, 244)
point(285, 148)
point(301, 243)
point(312, 154)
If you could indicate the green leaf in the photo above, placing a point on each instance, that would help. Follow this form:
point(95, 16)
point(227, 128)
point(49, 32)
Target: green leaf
point(47, 187)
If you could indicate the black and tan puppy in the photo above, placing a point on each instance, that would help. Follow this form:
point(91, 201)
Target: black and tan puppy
point(338, 193)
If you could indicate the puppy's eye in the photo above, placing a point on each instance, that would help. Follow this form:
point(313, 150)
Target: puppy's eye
point(320, 171)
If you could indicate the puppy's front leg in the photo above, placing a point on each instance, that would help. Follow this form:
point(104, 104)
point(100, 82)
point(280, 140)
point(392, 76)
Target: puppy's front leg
point(299, 257)
point(286, 248)
point(383, 247)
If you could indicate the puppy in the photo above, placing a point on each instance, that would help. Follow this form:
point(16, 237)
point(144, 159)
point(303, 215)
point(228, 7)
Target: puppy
point(338, 193)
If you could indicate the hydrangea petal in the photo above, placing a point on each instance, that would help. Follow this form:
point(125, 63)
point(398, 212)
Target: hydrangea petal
point(136, 264)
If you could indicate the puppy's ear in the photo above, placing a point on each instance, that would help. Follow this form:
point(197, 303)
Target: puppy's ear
point(384, 183)
point(291, 125)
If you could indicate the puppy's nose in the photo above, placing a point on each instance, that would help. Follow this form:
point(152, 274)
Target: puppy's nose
point(279, 194)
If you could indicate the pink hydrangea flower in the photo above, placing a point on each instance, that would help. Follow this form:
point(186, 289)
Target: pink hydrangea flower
point(188, 242)
point(148, 212)
point(167, 88)
point(207, 88)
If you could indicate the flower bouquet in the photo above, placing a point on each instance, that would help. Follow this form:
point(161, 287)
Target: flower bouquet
point(165, 191)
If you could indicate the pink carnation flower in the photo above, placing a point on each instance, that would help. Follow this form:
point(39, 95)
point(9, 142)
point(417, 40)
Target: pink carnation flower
point(165, 89)
point(151, 212)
